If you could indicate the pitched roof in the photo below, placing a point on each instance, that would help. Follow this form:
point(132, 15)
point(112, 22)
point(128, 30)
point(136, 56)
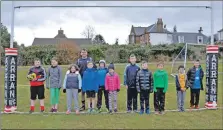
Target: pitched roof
point(189, 37)
point(139, 30)
point(220, 30)
point(153, 29)
point(51, 41)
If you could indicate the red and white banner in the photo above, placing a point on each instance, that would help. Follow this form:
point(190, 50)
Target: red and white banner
point(212, 49)
point(11, 51)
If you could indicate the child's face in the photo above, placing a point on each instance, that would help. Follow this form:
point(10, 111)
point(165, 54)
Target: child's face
point(132, 60)
point(111, 71)
point(73, 69)
point(181, 70)
point(102, 65)
point(83, 53)
point(37, 63)
point(196, 64)
point(145, 65)
point(90, 65)
point(160, 66)
point(54, 63)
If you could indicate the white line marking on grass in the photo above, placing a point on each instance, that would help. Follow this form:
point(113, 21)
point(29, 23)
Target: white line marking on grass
point(85, 113)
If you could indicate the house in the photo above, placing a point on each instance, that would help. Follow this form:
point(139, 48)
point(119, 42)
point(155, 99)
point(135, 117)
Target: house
point(158, 34)
point(61, 38)
point(220, 35)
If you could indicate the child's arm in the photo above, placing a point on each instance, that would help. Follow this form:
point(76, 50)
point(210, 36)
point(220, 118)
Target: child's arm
point(83, 83)
point(43, 76)
point(154, 79)
point(118, 82)
point(48, 79)
point(79, 81)
point(60, 77)
point(176, 82)
point(125, 75)
point(65, 82)
point(166, 82)
point(137, 81)
point(106, 82)
point(151, 82)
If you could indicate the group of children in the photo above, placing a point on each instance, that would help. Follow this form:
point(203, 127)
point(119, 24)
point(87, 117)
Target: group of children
point(85, 77)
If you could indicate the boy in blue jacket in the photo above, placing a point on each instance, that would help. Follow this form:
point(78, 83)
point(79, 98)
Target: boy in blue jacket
point(101, 74)
point(90, 85)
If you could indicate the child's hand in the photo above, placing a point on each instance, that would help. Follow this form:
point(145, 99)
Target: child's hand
point(79, 90)
point(126, 86)
point(183, 89)
point(118, 90)
point(35, 79)
point(64, 90)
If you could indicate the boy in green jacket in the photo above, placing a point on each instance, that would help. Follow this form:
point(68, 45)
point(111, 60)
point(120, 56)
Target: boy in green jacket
point(160, 78)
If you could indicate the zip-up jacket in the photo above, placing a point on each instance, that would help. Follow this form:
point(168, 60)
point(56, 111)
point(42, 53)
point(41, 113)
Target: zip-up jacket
point(144, 80)
point(191, 77)
point(101, 74)
point(54, 77)
point(112, 82)
point(89, 81)
point(40, 75)
point(180, 83)
point(130, 75)
point(72, 81)
point(160, 80)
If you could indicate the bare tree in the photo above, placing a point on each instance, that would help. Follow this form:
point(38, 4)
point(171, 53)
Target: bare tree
point(88, 32)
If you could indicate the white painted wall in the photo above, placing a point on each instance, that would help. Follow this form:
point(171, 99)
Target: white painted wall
point(220, 35)
point(160, 38)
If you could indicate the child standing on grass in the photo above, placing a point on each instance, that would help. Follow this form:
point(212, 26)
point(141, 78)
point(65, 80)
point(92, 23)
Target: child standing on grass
point(112, 85)
point(195, 76)
point(90, 85)
point(54, 83)
point(102, 71)
point(160, 88)
point(144, 85)
point(181, 88)
point(72, 85)
point(130, 83)
point(37, 85)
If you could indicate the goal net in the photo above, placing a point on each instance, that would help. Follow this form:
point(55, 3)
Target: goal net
point(189, 53)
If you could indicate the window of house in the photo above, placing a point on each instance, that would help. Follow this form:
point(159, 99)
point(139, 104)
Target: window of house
point(181, 39)
point(199, 39)
point(133, 39)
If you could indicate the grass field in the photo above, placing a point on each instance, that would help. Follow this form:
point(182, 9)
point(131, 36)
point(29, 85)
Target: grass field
point(206, 119)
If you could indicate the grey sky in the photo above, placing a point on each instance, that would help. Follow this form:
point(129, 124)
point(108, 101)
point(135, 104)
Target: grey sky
point(186, 19)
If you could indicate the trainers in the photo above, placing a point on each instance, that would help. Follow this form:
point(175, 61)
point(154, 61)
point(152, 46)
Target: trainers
point(52, 110)
point(162, 112)
point(147, 111)
point(196, 107)
point(55, 110)
point(42, 111)
point(89, 110)
point(157, 112)
point(115, 110)
point(93, 111)
point(68, 112)
point(31, 111)
point(82, 108)
point(77, 112)
point(107, 110)
point(110, 112)
point(99, 110)
point(141, 112)
point(135, 111)
point(129, 111)
point(192, 107)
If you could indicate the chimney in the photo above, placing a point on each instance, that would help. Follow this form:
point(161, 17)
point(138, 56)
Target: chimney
point(200, 30)
point(60, 32)
point(159, 25)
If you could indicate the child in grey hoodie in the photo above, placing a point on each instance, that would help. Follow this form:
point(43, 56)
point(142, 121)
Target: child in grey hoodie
point(54, 83)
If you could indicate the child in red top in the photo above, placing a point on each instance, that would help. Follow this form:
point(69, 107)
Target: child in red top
point(112, 85)
point(37, 85)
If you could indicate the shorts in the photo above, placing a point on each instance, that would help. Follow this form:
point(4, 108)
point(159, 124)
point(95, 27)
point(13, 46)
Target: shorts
point(37, 91)
point(90, 94)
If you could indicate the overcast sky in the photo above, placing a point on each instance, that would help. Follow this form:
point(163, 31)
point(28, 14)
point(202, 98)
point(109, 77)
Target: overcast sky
point(112, 23)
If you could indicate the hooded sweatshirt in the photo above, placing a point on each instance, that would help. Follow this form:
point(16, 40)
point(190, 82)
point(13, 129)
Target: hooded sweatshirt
point(89, 81)
point(160, 80)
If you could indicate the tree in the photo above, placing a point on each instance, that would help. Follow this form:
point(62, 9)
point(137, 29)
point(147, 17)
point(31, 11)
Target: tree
point(116, 41)
point(88, 32)
point(175, 28)
point(99, 39)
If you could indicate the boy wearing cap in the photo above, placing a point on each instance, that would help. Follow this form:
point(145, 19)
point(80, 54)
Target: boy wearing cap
point(101, 74)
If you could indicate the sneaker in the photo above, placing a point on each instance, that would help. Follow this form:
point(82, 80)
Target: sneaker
point(99, 110)
point(115, 110)
point(162, 112)
point(135, 111)
point(147, 111)
point(31, 111)
point(93, 111)
point(192, 107)
point(52, 110)
point(110, 112)
point(107, 110)
point(82, 108)
point(196, 107)
point(89, 110)
point(68, 112)
point(157, 112)
point(42, 111)
point(55, 110)
point(129, 111)
point(141, 112)
point(77, 112)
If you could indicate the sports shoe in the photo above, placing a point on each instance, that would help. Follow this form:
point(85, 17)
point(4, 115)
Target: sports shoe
point(77, 112)
point(157, 112)
point(107, 110)
point(147, 111)
point(93, 111)
point(129, 111)
point(52, 110)
point(68, 112)
point(82, 108)
point(192, 107)
point(55, 110)
point(115, 110)
point(99, 110)
point(89, 110)
point(110, 112)
point(196, 107)
point(162, 112)
point(135, 111)
point(141, 112)
point(31, 111)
